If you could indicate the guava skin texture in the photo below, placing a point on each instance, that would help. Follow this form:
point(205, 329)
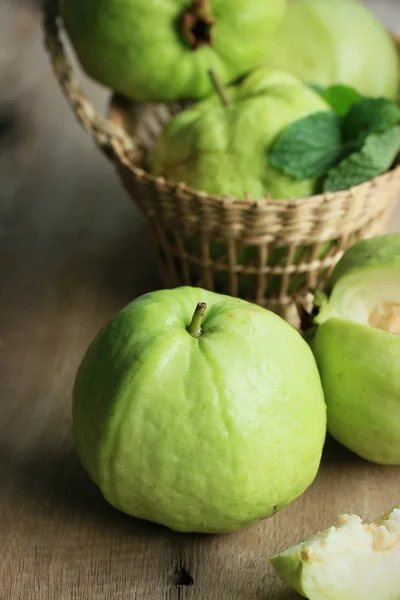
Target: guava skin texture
point(161, 51)
point(360, 372)
point(353, 560)
point(359, 363)
point(331, 42)
point(224, 150)
point(204, 434)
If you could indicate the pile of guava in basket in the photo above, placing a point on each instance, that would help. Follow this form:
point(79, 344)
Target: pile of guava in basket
point(287, 98)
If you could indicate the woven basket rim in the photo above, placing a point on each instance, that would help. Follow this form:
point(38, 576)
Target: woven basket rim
point(316, 199)
point(120, 146)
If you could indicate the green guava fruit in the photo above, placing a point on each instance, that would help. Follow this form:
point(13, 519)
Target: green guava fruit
point(223, 149)
point(357, 349)
point(160, 51)
point(200, 422)
point(352, 561)
point(337, 42)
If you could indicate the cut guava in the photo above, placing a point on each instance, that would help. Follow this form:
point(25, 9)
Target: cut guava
point(350, 561)
point(365, 285)
point(357, 349)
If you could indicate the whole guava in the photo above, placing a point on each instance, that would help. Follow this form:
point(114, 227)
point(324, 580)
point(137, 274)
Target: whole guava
point(199, 411)
point(350, 561)
point(337, 42)
point(160, 51)
point(357, 348)
point(223, 148)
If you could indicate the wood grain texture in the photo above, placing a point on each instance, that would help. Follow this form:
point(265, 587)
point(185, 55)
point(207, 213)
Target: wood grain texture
point(73, 250)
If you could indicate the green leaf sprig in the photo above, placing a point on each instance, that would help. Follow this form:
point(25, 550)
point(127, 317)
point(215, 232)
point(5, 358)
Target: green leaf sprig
point(354, 143)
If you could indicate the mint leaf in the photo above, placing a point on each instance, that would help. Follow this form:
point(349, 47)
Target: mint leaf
point(341, 98)
point(308, 147)
point(375, 158)
point(370, 115)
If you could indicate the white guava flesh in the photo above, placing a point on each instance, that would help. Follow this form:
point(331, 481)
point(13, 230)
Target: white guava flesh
point(351, 561)
point(368, 298)
point(386, 317)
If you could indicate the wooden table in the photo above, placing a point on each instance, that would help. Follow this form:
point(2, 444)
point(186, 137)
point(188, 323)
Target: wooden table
point(73, 251)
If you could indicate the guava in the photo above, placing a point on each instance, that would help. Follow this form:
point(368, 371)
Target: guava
point(223, 148)
point(199, 411)
point(331, 42)
point(160, 51)
point(350, 561)
point(357, 349)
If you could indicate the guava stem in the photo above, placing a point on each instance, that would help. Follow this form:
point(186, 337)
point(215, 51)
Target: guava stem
point(194, 328)
point(219, 88)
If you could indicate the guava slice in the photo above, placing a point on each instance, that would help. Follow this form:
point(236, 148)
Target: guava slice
point(357, 349)
point(350, 561)
point(365, 286)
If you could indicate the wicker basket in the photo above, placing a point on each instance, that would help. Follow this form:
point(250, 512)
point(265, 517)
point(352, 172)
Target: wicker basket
point(269, 252)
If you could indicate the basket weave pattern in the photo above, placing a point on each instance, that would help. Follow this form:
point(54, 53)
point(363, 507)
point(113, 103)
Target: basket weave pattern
point(269, 252)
